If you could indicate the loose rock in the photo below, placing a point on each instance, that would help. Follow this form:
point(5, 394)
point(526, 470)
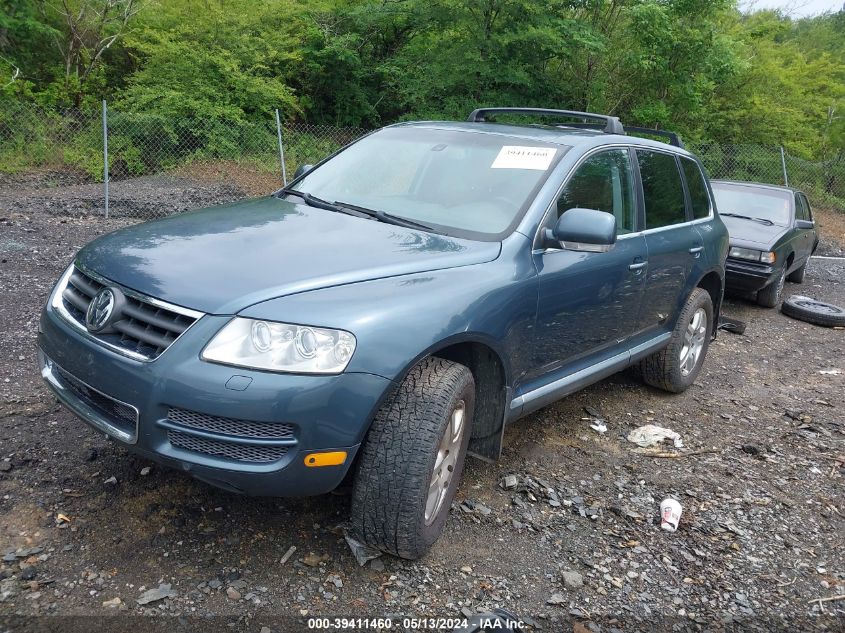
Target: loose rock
point(160, 593)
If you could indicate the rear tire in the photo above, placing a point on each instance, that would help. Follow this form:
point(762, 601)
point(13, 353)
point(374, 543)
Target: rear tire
point(769, 296)
point(797, 275)
point(675, 367)
point(412, 459)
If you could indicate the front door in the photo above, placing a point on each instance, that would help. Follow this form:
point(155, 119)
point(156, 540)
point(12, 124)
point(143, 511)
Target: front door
point(589, 302)
point(806, 237)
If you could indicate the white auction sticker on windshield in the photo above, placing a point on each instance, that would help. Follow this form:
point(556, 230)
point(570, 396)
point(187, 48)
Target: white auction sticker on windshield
point(518, 157)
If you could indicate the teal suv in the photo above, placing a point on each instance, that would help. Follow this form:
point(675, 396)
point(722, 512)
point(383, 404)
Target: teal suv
point(392, 309)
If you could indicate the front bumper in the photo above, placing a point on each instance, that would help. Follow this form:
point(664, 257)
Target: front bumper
point(748, 276)
point(132, 402)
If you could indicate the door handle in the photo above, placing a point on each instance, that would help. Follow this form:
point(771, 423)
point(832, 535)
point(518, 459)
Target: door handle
point(696, 250)
point(637, 266)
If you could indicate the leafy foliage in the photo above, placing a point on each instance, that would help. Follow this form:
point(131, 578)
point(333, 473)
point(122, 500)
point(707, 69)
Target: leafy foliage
point(205, 71)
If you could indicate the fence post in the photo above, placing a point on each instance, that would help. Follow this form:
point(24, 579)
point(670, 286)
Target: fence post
point(281, 149)
point(783, 164)
point(106, 156)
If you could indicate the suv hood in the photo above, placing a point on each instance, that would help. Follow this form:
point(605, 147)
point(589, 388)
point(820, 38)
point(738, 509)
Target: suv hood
point(753, 233)
point(223, 259)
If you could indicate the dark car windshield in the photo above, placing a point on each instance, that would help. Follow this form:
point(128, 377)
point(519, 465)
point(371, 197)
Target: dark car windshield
point(754, 202)
point(462, 183)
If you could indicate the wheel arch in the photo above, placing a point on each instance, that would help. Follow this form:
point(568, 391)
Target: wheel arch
point(492, 375)
point(713, 283)
point(491, 394)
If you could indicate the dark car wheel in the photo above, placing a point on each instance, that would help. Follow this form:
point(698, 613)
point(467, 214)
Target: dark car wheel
point(797, 275)
point(769, 296)
point(812, 311)
point(676, 367)
point(412, 459)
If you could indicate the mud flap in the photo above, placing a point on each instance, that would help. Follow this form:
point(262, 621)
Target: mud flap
point(486, 441)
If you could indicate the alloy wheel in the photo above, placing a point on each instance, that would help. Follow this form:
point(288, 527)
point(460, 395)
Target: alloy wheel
point(444, 466)
point(694, 337)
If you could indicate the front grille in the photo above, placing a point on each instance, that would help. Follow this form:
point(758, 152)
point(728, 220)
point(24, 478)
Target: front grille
point(141, 328)
point(229, 450)
point(230, 426)
point(120, 415)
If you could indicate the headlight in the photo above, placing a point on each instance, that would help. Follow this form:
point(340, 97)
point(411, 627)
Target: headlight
point(281, 347)
point(749, 253)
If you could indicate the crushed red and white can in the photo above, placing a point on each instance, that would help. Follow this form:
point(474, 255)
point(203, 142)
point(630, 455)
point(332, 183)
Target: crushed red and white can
point(670, 514)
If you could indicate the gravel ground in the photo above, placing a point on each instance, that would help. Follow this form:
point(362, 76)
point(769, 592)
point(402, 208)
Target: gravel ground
point(570, 542)
point(73, 194)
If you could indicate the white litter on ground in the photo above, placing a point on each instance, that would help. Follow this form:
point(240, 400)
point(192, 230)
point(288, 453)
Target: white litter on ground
point(650, 434)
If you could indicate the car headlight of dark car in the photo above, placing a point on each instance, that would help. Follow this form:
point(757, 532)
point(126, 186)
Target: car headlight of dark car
point(767, 257)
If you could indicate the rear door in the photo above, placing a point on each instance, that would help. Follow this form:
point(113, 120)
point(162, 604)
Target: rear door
point(674, 245)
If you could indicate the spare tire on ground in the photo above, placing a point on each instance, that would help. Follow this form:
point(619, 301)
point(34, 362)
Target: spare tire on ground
point(813, 311)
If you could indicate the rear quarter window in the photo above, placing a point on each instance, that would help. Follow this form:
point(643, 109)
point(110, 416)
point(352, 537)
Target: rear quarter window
point(699, 197)
point(663, 192)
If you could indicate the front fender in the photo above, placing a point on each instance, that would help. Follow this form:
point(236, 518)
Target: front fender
point(397, 320)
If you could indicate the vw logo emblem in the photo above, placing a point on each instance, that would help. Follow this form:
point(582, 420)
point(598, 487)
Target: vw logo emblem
point(100, 310)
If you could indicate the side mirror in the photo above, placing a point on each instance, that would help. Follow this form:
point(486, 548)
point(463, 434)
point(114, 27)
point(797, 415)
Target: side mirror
point(805, 224)
point(585, 230)
point(302, 170)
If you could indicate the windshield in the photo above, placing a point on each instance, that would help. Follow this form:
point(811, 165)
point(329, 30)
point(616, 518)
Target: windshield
point(462, 183)
point(754, 202)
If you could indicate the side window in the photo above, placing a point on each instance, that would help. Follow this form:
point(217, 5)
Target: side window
point(699, 197)
point(807, 207)
point(802, 209)
point(603, 182)
point(662, 189)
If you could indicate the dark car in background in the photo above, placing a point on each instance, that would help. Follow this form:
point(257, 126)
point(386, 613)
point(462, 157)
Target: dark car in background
point(391, 310)
point(772, 235)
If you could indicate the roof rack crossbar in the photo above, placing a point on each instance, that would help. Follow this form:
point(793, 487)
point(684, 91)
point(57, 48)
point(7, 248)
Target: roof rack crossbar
point(612, 125)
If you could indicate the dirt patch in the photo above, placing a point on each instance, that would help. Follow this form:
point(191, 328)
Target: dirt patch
point(831, 231)
point(249, 178)
point(762, 490)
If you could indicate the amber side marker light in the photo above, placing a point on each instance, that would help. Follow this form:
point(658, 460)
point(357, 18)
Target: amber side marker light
point(333, 458)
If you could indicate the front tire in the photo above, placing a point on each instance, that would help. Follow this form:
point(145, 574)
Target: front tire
point(412, 459)
point(797, 275)
point(769, 296)
point(675, 367)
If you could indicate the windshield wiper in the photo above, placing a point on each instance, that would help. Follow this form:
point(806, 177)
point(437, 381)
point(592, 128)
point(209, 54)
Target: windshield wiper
point(319, 203)
point(353, 210)
point(387, 218)
point(765, 221)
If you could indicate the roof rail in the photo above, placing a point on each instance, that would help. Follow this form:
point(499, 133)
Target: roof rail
point(612, 125)
point(673, 137)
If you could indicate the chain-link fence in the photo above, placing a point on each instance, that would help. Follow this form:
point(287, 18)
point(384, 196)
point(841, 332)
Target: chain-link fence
point(147, 165)
point(822, 181)
point(159, 165)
